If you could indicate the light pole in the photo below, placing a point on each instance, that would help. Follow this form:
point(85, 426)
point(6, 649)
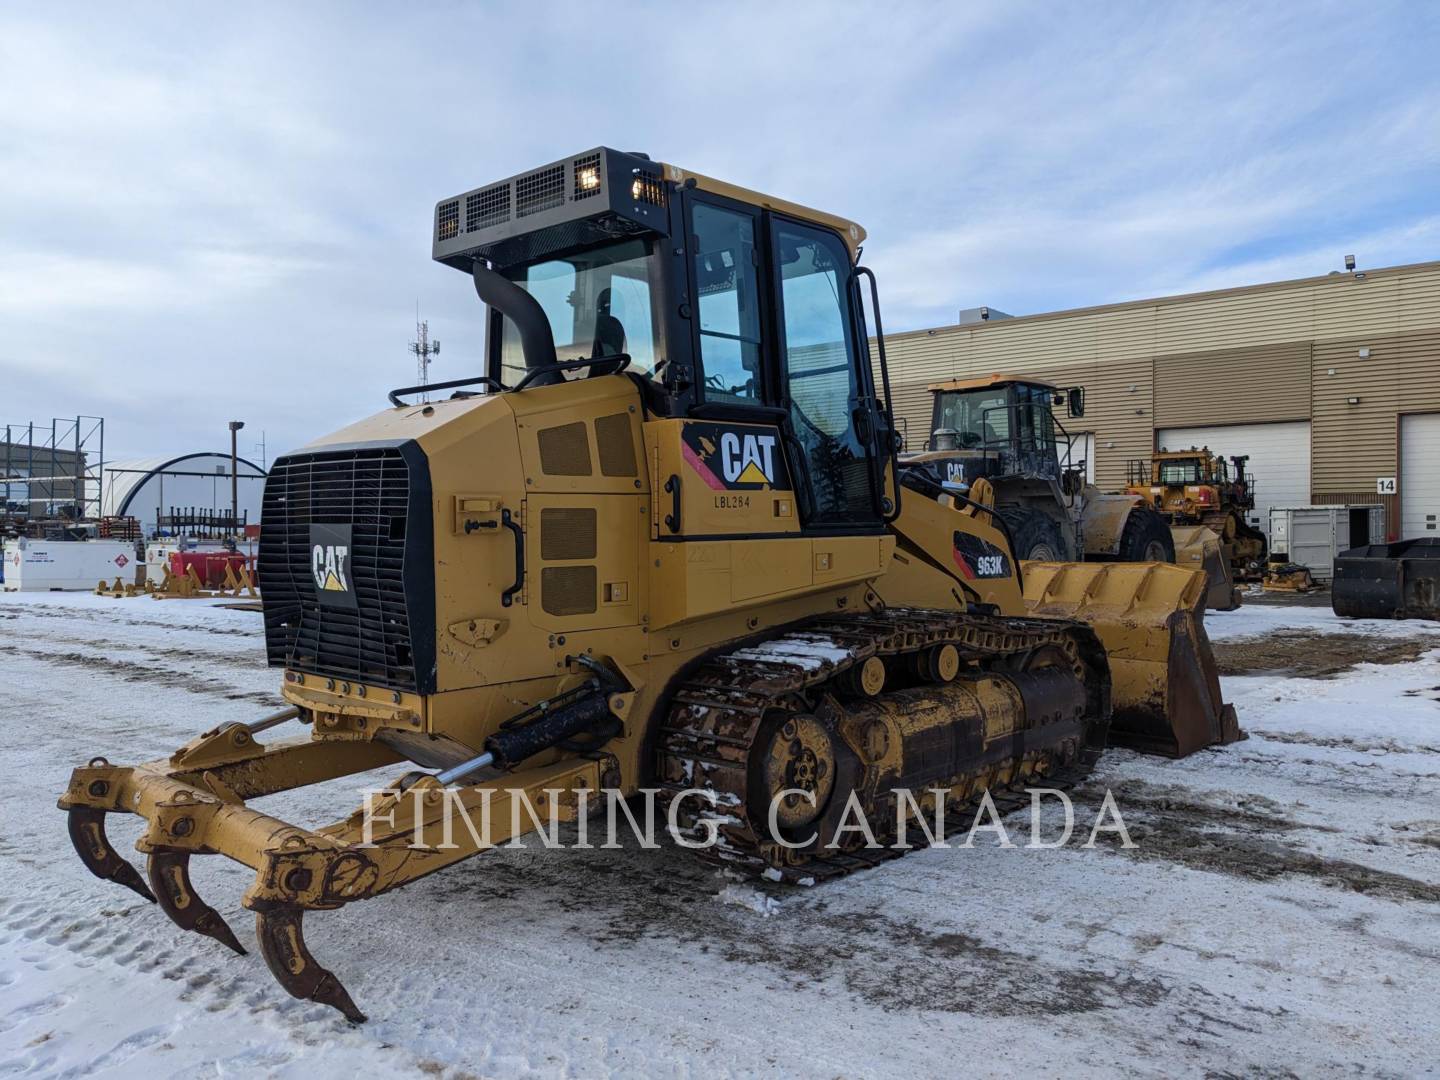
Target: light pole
point(235, 426)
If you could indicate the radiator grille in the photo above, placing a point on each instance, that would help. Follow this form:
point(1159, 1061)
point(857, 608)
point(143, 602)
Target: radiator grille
point(567, 532)
point(488, 207)
point(369, 490)
point(542, 190)
point(565, 450)
point(568, 590)
point(616, 445)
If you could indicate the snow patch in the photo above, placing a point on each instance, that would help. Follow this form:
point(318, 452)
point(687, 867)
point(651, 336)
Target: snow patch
point(747, 896)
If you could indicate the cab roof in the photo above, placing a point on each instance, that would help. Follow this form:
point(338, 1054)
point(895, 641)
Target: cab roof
point(586, 198)
point(981, 382)
point(852, 233)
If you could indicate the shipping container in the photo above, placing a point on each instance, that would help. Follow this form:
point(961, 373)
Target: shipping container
point(1313, 535)
point(53, 565)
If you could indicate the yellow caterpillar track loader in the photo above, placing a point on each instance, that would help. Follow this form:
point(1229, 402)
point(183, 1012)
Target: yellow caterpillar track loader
point(669, 546)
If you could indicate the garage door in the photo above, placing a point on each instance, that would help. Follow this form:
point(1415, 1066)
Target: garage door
point(1279, 459)
point(1419, 475)
point(1082, 448)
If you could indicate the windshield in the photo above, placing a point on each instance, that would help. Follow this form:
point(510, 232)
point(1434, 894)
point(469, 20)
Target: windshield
point(598, 303)
point(979, 417)
point(1181, 471)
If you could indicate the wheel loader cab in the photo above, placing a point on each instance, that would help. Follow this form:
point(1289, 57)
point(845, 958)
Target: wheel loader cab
point(1001, 426)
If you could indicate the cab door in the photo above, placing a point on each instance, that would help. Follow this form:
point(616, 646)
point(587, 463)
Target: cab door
point(826, 392)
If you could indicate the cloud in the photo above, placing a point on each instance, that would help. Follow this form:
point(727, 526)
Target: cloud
point(224, 213)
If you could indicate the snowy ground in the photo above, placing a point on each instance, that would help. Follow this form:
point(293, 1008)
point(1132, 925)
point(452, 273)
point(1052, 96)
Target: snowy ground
point(1279, 915)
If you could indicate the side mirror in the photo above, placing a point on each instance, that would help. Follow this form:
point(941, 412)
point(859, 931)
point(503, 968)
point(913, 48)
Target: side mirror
point(1075, 398)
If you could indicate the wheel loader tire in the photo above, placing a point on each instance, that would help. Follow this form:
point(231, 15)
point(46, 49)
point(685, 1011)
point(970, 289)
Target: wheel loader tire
point(1146, 538)
point(1034, 535)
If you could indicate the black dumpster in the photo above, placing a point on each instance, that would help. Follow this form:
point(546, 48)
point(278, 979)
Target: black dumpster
point(1388, 581)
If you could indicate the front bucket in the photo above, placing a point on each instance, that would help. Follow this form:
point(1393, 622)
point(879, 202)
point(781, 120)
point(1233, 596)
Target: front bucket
point(1199, 548)
point(1150, 618)
point(1388, 581)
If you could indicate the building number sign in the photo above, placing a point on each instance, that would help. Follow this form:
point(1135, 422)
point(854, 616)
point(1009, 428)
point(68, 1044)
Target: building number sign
point(1385, 485)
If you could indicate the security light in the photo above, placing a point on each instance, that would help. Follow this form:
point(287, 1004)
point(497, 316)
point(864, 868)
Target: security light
point(1349, 262)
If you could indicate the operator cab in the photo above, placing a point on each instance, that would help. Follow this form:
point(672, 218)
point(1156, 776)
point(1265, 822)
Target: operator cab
point(1185, 471)
point(721, 303)
point(1008, 424)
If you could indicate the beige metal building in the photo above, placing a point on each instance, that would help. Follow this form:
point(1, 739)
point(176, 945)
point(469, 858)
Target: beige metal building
point(1331, 384)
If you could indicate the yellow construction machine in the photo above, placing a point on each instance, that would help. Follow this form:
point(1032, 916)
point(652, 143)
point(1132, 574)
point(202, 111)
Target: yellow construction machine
point(664, 542)
point(1002, 428)
point(1198, 489)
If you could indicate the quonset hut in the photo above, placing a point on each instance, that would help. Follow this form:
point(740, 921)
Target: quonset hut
point(150, 489)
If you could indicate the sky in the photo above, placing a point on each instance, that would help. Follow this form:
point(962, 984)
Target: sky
point(216, 212)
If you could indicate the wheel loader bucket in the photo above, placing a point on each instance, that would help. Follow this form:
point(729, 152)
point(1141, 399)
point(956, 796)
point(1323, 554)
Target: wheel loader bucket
point(1199, 548)
point(1388, 581)
point(1150, 618)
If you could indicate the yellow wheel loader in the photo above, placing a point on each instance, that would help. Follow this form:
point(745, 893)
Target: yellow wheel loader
point(1003, 429)
point(665, 542)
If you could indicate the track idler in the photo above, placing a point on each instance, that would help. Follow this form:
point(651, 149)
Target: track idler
point(169, 873)
point(282, 942)
point(87, 833)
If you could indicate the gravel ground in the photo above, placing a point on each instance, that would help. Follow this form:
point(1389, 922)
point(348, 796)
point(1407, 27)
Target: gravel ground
point(1277, 914)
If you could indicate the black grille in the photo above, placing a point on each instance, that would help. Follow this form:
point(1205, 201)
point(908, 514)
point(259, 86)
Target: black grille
point(541, 190)
point(377, 492)
point(447, 220)
point(488, 207)
point(586, 171)
point(647, 187)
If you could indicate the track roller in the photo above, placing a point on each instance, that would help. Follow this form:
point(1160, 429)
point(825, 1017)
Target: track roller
point(867, 678)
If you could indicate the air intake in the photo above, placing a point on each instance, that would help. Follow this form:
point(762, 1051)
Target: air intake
point(569, 590)
point(567, 532)
point(565, 450)
point(616, 445)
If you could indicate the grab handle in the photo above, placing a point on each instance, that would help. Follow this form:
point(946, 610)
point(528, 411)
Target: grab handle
point(672, 519)
point(507, 597)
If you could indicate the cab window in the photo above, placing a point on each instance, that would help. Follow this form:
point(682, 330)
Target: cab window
point(821, 375)
point(1183, 471)
point(980, 418)
point(727, 285)
point(597, 303)
point(1034, 421)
